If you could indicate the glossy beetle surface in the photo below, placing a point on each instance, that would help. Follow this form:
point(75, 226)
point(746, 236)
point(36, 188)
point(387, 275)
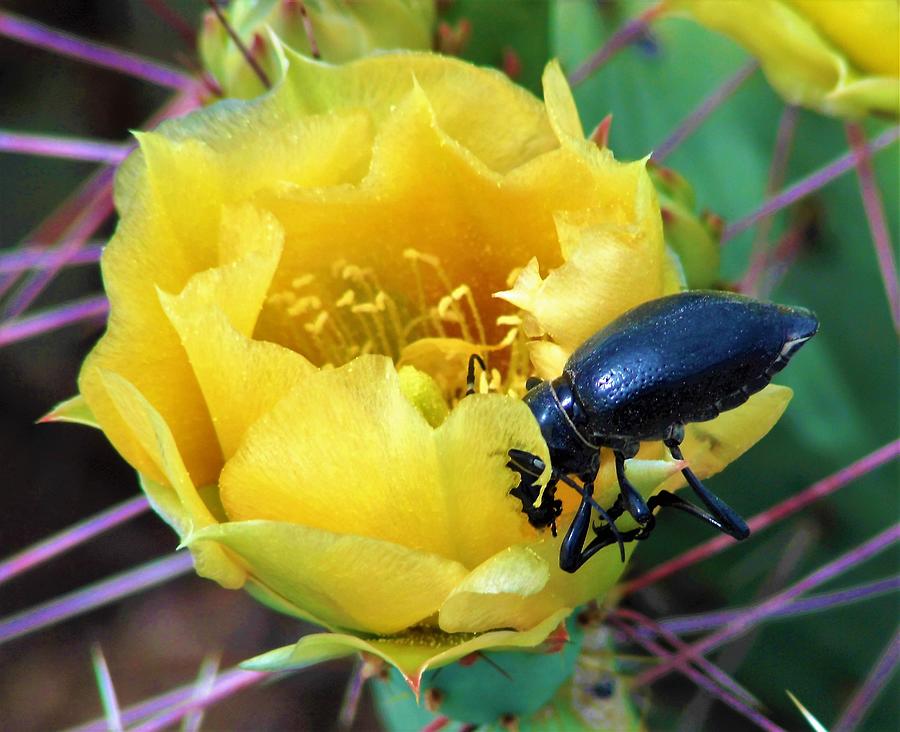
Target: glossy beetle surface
point(666, 363)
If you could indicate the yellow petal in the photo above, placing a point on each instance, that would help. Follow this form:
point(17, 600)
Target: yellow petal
point(177, 499)
point(499, 122)
point(154, 435)
point(608, 270)
point(141, 345)
point(349, 581)
point(442, 491)
point(434, 195)
point(547, 358)
point(343, 449)
point(593, 581)
point(472, 446)
point(806, 48)
point(561, 109)
point(240, 378)
point(502, 592)
point(709, 447)
point(868, 31)
point(190, 199)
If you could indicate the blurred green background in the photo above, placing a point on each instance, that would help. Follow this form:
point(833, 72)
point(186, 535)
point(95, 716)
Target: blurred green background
point(845, 381)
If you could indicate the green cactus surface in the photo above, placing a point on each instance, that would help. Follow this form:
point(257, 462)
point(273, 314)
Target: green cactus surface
point(576, 687)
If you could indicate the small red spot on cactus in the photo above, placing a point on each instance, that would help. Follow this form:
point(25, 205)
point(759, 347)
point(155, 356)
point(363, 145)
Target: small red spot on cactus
point(433, 699)
point(512, 63)
point(666, 174)
point(509, 722)
point(667, 215)
point(600, 135)
point(211, 23)
point(714, 224)
point(452, 40)
point(590, 615)
point(557, 640)
point(436, 724)
point(258, 46)
point(374, 667)
point(470, 659)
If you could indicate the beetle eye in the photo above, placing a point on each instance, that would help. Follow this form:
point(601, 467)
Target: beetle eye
point(531, 382)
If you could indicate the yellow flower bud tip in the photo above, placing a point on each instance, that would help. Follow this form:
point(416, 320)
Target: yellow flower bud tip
point(840, 58)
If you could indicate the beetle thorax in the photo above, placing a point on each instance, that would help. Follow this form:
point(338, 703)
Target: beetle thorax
point(561, 419)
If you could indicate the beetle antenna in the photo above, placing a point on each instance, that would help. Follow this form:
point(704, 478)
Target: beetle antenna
point(470, 372)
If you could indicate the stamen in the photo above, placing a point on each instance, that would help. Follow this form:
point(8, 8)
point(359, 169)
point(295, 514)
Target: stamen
point(348, 312)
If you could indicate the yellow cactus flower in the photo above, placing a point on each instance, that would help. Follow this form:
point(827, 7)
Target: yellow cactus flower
point(296, 284)
point(840, 57)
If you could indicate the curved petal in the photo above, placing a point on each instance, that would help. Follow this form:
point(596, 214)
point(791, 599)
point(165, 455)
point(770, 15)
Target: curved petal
point(472, 446)
point(500, 123)
point(343, 449)
point(599, 575)
point(349, 581)
point(804, 66)
point(502, 592)
point(442, 491)
point(176, 498)
point(240, 378)
point(709, 447)
point(868, 31)
point(561, 109)
point(141, 345)
point(412, 653)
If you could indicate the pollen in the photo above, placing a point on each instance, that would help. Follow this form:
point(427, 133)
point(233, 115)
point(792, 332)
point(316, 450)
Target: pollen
point(334, 317)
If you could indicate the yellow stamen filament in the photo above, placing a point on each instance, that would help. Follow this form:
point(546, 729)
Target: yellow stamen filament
point(333, 319)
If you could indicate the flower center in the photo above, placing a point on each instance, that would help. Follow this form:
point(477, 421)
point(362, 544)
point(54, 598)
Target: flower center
point(334, 317)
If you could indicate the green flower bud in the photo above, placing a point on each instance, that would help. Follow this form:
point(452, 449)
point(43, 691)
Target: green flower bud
point(692, 236)
point(334, 30)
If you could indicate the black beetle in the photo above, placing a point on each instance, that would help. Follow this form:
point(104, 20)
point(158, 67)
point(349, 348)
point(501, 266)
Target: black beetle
point(668, 362)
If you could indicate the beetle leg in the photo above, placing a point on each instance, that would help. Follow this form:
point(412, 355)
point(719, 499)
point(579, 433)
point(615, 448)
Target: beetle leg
point(634, 502)
point(470, 372)
point(730, 520)
point(665, 498)
point(571, 554)
point(530, 467)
